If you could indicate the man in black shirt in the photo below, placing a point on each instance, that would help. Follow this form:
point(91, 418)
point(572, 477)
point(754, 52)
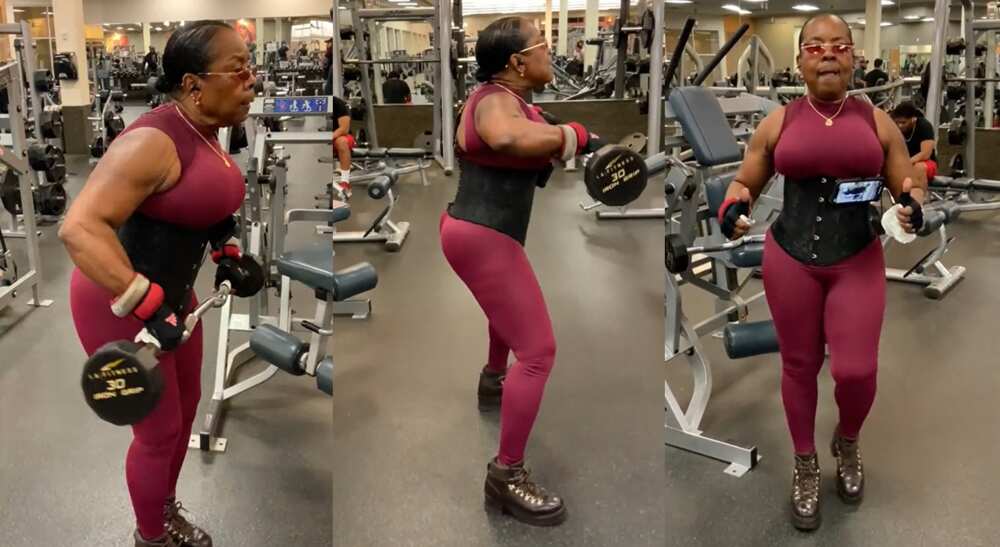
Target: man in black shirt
point(920, 138)
point(343, 143)
point(876, 76)
point(395, 90)
point(151, 62)
point(283, 51)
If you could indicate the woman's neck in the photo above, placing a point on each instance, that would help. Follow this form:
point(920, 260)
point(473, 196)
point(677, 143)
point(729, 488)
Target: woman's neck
point(518, 85)
point(829, 99)
point(196, 117)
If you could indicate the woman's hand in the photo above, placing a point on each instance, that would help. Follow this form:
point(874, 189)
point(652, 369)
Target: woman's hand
point(911, 215)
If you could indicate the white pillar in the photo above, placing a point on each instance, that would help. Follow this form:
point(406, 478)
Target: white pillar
point(146, 40)
point(278, 23)
point(873, 31)
point(563, 28)
point(590, 31)
point(991, 67)
point(548, 23)
point(69, 34)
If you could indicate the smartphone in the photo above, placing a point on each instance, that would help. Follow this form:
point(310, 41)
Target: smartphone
point(857, 191)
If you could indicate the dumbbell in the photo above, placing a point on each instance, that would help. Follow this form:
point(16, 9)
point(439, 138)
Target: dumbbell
point(677, 255)
point(614, 174)
point(122, 382)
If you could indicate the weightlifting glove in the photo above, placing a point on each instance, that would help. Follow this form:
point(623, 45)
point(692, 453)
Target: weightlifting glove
point(729, 214)
point(917, 217)
point(244, 273)
point(144, 300)
point(577, 140)
point(222, 238)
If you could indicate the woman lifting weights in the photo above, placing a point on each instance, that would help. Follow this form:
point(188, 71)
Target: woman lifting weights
point(824, 273)
point(505, 150)
point(138, 233)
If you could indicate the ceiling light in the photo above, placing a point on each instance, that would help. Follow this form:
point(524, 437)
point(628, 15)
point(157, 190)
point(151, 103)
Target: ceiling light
point(677, 1)
point(805, 7)
point(736, 9)
point(888, 3)
point(18, 10)
point(911, 17)
point(755, 1)
point(157, 29)
point(120, 28)
point(166, 23)
point(928, 19)
point(885, 24)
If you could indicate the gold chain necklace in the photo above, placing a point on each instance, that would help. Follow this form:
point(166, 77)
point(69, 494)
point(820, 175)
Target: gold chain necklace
point(214, 149)
point(505, 88)
point(829, 121)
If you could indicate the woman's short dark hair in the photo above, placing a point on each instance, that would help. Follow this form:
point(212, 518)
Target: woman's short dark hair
point(906, 109)
point(496, 43)
point(188, 51)
point(834, 15)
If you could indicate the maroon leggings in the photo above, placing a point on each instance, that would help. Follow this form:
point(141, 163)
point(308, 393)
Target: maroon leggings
point(160, 441)
point(496, 270)
point(840, 306)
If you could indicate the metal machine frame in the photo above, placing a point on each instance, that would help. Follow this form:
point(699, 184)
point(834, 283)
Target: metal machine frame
point(11, 78)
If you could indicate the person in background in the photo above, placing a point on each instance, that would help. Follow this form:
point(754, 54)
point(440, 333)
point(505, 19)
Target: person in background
point(283, 51)
point(303, 50)
point(860, 67)
point(919, 136)
point(395, 90)
point(151, 62)
point(877, 76)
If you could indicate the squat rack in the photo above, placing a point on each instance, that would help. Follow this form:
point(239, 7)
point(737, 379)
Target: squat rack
point(439, 18)
point(11, 79)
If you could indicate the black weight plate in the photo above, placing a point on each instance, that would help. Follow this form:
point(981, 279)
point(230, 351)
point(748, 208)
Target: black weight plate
point(41, 156)
point(117, 387)
point(675, 254)
point(51, 200)
point(10, 193)
point(97, 148)
point(615, 175)
point(635, 142)
point(648, 22)
point(56, 173)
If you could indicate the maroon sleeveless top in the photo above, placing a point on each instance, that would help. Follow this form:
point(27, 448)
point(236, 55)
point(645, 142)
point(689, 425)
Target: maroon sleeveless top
point(807, 148)
point(207, 191)
point(480, 153)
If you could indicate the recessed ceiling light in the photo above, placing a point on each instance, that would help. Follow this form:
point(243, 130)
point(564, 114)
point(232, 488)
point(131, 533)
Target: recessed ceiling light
point(911, 17)
point(120, 28)
point(736, 9)
point(885, 24)
point(888, 3)
point(18, 10)
point(677, 1)
point(805, 7)
point(928, 19)
point(755, 1)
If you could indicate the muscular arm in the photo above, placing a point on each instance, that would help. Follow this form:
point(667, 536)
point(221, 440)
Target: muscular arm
point(138, 164)
point(501, 124)
point(343, 127)
point(758, 165)
point(926, 149)
point(898, 166)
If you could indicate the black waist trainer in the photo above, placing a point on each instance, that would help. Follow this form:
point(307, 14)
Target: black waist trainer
point(814, 231)
point(167, 254)
point(496, 198)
